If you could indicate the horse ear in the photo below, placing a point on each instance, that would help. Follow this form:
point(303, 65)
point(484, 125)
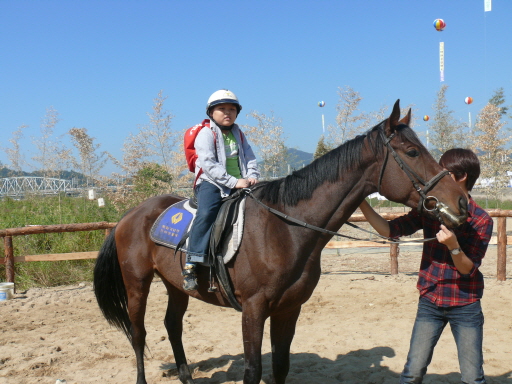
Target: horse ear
point(407, 118)
point(393, 120)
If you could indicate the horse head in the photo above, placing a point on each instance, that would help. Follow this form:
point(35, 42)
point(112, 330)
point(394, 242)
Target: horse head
point(406, 161)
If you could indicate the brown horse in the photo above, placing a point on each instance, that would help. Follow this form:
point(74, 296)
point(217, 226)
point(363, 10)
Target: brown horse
point(278, 264)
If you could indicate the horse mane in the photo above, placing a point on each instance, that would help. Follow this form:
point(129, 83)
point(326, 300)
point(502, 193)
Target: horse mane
point(301, 184)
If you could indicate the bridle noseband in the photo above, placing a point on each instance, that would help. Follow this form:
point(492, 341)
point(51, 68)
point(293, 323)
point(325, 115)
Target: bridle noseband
point(416, 180)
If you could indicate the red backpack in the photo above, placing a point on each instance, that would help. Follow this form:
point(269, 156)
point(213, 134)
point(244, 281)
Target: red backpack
point(189, 140)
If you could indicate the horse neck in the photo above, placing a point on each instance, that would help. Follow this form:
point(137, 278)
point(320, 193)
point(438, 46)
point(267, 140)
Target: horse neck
point(354, 185)
point(332, 204)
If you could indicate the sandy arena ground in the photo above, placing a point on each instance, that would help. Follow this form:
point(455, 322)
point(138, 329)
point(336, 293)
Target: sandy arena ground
point(354, 329)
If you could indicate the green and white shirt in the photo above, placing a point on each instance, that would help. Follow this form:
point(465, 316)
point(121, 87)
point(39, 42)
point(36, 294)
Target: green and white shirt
point(231, 148)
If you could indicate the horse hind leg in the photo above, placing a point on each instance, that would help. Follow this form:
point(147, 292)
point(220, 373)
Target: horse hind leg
point(176, 306)
point(138, 292)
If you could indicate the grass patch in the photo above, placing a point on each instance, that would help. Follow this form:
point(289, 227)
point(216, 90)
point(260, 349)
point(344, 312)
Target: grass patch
point(39, 210)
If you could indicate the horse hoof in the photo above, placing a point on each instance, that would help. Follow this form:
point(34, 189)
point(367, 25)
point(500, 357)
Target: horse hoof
point(185, 376)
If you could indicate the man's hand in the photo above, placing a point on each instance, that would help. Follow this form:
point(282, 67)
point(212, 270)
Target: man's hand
point(447, 237)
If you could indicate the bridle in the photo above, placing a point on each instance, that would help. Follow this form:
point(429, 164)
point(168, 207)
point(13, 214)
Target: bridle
point(416, 180)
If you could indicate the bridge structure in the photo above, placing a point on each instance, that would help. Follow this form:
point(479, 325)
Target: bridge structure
point(21, 186)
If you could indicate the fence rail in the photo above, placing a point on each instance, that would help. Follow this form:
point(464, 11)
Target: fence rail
point(501, 240)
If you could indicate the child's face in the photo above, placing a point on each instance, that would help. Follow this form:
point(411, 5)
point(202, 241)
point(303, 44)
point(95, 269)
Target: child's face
point(224, 114)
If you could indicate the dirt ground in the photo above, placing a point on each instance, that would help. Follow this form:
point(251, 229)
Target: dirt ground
point(354, 329)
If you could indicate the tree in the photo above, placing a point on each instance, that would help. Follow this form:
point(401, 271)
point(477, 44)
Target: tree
point(52, 156)
point(267, 136)
point(151, 180)
point(348, 124)
point(321, 148)
point(490, 143)
point(14, 154)
point(446, 132)
point(155, 142)
point(498, 99)
point(153, 160)
point(90, 162)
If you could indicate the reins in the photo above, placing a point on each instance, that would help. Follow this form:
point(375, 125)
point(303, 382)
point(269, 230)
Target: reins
point(389, 240)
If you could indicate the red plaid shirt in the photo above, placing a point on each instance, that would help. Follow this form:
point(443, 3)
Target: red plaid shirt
point(439, 281)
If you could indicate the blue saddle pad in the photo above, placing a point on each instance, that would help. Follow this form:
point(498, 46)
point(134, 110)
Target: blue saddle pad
point(173, 224)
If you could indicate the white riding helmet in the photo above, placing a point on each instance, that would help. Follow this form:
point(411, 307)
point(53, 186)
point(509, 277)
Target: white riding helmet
point(221, 97)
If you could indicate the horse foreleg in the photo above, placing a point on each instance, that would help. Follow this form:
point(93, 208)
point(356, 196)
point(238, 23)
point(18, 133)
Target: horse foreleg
point(253, 321)
point(176, 307)
point(282, 330)
point(137, 300)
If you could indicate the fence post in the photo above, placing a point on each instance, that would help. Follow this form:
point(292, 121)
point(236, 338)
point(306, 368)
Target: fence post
point(393, 253)
point(9, 259)
point(501, 268)
point(107, 232)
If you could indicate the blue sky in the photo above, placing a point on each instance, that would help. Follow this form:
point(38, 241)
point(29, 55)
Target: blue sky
point(100, 64)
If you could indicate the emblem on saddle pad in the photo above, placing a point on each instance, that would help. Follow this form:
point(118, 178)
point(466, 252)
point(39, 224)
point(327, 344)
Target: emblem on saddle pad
point(177, 218)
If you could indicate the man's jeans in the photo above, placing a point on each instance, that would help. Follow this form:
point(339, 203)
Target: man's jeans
point(209, 201)
point(466, 323)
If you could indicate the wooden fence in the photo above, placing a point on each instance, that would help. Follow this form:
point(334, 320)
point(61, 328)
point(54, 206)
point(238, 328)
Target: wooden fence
point(9, 259)
point(9, 233)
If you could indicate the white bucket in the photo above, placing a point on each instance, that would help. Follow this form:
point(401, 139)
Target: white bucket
point(6, 291)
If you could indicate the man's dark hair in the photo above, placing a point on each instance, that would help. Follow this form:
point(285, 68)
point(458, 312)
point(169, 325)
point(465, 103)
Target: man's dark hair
point(462, 162)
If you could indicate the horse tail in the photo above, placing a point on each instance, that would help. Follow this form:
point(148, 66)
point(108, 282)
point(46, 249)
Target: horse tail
point(109, 286)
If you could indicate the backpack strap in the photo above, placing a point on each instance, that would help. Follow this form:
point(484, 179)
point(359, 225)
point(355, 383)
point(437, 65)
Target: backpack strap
point(214, 144)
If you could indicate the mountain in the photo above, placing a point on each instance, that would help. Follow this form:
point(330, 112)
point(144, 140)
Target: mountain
point(295, 160)
point(298, 159)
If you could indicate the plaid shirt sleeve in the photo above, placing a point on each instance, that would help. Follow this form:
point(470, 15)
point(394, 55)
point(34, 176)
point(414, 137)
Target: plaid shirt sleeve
point(475, 235)
point(405, 225)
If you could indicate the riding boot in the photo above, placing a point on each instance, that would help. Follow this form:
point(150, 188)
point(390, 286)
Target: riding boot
point(190, 280)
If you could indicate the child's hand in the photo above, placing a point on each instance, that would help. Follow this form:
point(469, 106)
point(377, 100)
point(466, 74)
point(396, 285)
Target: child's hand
point(244, 183)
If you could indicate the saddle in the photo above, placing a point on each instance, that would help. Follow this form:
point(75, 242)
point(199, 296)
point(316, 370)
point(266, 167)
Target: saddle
point(171, 229)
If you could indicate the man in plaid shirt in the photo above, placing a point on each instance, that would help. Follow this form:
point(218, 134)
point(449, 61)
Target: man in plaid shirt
point(449, 282)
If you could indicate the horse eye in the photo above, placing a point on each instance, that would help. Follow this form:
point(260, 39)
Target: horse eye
point(413, 153)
